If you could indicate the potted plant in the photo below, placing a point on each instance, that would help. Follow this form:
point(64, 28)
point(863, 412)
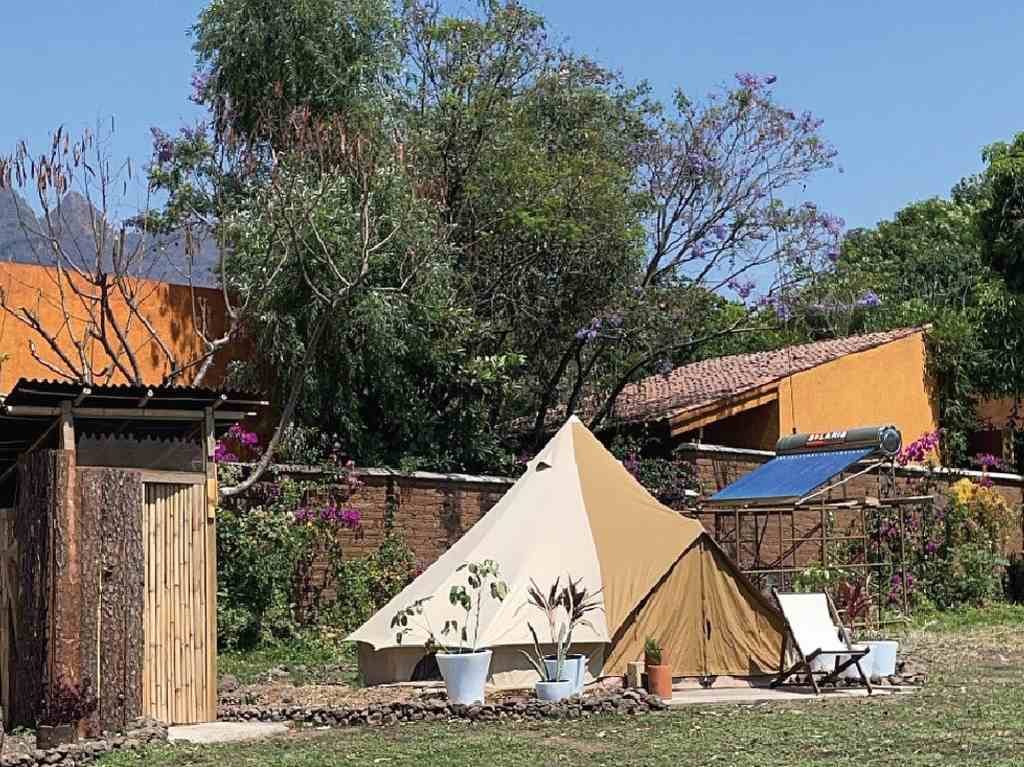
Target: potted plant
point(63, 709)
point(659, 673)
point(463, 665)
point(578, 602)
point(553, 684)
point(574, 602)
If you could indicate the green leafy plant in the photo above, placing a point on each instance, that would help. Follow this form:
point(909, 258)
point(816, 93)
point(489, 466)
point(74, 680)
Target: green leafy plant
point(652, 652)
point(482, 579)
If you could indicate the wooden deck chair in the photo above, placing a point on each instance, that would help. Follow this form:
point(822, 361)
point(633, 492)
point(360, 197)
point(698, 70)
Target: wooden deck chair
point(815, 629)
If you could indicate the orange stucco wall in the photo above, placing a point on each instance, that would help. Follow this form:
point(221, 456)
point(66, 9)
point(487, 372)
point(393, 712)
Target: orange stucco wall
point(887, 384)
point(167, 307)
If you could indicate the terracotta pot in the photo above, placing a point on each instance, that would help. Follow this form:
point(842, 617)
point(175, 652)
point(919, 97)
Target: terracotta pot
point(48, 736)
point(659, 681)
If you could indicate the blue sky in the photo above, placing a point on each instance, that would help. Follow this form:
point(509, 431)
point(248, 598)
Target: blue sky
point(909, 90)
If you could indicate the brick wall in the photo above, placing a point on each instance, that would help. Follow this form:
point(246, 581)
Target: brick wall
point(769, 539)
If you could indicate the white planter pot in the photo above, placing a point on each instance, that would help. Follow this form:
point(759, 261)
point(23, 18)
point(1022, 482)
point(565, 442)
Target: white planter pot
point(883, 656)
point(553, 691)
point(865, 664)
point(465, 675)
point(574, 669)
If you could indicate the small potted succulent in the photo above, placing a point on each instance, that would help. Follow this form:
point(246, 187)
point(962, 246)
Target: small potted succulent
point(659, 673)
point(62, 712)
point(463, 664)
point(573, 601)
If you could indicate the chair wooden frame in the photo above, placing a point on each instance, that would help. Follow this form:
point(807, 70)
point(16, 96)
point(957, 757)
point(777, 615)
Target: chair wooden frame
point(803, 664)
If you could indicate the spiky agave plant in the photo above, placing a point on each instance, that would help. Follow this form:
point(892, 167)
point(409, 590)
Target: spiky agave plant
point(578, 603)
point(547, 603)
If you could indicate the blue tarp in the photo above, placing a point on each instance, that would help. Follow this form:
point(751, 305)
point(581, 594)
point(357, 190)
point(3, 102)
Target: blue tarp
point(789, 477)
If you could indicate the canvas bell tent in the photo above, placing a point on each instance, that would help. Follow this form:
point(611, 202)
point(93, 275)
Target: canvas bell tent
point(577, 512)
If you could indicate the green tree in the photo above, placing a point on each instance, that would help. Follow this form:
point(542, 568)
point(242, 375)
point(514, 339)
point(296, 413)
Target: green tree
point(1001, 212)
point(570, 234)
point(927, 266)
point(260, 60)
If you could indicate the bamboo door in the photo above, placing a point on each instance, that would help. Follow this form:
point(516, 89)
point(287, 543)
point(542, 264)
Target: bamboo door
point(180, 617)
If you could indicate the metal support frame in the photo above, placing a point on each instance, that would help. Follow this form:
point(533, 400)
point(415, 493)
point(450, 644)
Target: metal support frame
point(746, 549)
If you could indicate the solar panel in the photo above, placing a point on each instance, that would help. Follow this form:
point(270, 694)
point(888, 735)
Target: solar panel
point(789, 477)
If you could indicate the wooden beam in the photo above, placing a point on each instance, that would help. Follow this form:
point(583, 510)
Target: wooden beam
point(220, 401)
point(86, 391)
point(173, 477)
point(67, 426)
point(689, 420)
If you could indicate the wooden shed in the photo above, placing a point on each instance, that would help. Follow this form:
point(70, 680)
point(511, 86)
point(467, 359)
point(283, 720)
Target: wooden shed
point(107, 537)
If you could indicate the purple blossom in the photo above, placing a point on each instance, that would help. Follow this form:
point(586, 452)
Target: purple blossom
point(351, 518)
point(869, 298)
point(721, 231)
point(742, 288)
point(931, 547)
point(987, 461)
point(194, 132)
point(754, 82)
point(833, 224)
point(223, 454)
point(346, 517)
point(200, 84)
point(163, 146)
point(918, 450)
point(783, 311)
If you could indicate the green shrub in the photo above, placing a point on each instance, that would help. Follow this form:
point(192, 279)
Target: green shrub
point(267, 547)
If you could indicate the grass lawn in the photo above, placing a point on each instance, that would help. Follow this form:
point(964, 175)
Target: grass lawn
point(971, 713)
point(308, 659)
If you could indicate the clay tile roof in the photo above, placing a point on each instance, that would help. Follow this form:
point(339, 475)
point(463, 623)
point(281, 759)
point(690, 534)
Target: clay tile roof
point(700, 384)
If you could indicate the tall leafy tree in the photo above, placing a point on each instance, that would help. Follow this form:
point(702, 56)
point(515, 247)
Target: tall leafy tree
point(1000, 195)
point(571, 234)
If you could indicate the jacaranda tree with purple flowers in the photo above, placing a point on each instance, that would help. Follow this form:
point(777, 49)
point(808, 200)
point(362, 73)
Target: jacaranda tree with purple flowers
point(717, 174)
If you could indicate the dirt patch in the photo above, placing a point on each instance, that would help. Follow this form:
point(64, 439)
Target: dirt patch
point(286, 693)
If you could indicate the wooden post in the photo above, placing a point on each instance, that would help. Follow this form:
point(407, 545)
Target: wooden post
point(67, 426)
point(212, 497)
point(66, 608)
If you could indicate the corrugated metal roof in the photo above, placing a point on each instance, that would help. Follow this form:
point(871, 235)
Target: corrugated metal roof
point(44, 393)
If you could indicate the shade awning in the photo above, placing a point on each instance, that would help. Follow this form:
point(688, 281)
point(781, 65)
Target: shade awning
point(789, 478)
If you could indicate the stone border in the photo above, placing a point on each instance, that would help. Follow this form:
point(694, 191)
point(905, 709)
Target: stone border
point(87, 751)
point(439, 709)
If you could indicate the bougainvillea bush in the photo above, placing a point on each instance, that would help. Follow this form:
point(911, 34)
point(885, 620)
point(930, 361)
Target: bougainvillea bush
point(281, 547)
point(953, 547)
